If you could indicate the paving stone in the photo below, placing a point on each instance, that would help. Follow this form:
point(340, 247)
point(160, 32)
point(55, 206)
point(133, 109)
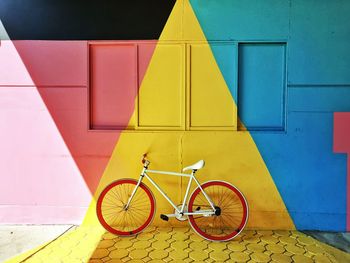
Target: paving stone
point(305, 240)
point(218, 255)
point(100, 253)
point(287, 240)
point(217, 246)
point(269, 239)
point(249, 233)
point(123, 244)
point(239, 257)
point(235, 246)
point(164, 229)
point(141, 244)
point(198, 246)
point(146, 259)
point(180, 236)
point(158, 254)
point(256, 247)
point(138, 254)
point(145, 236)
point(160, 245)
point(301, 259)
point(105, 243)
point(182, 229)
point(198, 255)
point(281, 233)
point(195, 237)
point(162, 236)
point(265, 232)
point(260, 257)
point(108, 235)
point(295, 249)
point(179, 245)
point(321, 259)
point(315, 250)
point(118, 253)
point(280, 258)
point(187, 250)
point(251, 239)
point(275, 248)
point(178, 254)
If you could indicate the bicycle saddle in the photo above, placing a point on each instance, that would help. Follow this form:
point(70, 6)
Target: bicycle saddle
point(198, 165)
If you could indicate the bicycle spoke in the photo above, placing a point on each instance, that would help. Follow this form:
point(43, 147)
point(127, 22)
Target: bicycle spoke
point(232, 217)
point(118, 219)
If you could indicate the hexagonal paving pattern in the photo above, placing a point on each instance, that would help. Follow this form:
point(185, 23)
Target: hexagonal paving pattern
point(183, 245)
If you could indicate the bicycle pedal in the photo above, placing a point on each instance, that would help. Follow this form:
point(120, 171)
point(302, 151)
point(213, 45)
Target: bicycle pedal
point(164, 217)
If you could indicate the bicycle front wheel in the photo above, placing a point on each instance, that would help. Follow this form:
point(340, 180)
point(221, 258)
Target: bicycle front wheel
point(231, 206)
point(113, 214)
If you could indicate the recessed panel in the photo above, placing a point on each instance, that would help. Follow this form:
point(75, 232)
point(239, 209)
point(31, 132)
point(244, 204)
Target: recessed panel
point(162, 89)
point(113, 83)
point(211, 102)
point(261, 85)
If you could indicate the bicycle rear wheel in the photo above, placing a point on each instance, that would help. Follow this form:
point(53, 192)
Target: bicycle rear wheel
point(111, 210)
point(232, 217)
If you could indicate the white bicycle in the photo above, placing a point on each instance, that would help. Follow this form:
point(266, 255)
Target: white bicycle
point(216, 210)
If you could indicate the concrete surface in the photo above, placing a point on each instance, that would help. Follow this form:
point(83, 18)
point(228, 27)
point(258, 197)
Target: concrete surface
point(338, 240)
point(16, 239)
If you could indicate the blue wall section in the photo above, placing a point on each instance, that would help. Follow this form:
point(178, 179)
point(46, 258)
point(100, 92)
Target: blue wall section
point(237, 19)
point(261, 78)
point(310, 177)
point(319, 42)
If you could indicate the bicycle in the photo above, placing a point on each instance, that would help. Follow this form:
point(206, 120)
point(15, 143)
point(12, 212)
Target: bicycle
point(216, 210)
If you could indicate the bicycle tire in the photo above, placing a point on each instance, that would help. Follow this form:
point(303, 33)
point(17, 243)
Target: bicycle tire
point(233, 206)
point(111, 211)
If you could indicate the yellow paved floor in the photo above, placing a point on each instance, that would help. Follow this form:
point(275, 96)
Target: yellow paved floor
point(183, 245)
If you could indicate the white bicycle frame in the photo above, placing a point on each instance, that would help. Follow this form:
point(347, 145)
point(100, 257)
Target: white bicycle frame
point(181, 211)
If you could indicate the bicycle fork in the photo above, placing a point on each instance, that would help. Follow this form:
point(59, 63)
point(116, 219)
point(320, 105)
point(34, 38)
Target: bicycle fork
point(134, 191)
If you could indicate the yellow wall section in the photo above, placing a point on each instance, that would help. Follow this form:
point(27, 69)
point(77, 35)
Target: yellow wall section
point(210, 101)
point(229, 155)
point(164, 90)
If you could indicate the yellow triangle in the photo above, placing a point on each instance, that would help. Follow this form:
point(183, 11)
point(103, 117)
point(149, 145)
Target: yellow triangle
point(230, 155)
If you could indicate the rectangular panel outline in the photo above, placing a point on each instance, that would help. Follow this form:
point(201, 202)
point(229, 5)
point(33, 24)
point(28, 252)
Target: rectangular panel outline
point(188, 86)
point(110, 43)
point(182, 96)
point(283, 127)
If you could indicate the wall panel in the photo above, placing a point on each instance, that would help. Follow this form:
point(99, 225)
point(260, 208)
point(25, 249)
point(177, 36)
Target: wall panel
point(113, 84)
point(210, 105)
point(261, 85)
point(165, 90)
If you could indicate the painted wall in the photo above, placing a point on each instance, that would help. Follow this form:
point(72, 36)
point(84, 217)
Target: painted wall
point(251, 87)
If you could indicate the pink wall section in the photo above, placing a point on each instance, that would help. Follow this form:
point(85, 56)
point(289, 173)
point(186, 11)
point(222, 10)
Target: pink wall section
point(51, 63)
point(50, 161)
point(37, 168)
point(111, 67)
point(342, 145)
